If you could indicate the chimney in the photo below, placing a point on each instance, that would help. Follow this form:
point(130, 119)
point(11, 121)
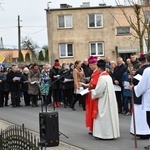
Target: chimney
point(102, 4)
point(85, 4)
point(65, 6)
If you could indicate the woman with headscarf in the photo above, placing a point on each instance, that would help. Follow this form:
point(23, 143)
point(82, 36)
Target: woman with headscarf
point(34, 79)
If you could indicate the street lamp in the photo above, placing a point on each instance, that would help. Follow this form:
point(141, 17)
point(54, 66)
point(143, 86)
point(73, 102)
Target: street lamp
point(48, 5)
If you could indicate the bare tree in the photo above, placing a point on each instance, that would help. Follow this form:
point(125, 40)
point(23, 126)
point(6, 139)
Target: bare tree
point(1, 2)
point(9, 56)
point(137, 23)
point(27, 43)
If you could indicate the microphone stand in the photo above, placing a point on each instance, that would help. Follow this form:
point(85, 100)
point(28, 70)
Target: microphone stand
point(60, 133)
point(56, 81)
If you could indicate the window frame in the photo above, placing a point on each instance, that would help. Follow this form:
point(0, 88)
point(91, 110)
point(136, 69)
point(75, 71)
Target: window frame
point(123, 29)
point(65, 21)
point(66, 50)
point(97, 48)
point(146, 16)
point(95, 20)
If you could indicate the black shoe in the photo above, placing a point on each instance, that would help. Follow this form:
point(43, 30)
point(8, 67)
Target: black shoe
point(70, 106)
point(27, 104)
point(147, 147)
point(91, 133)
point(65, 106)
point(1, 106)
point(18, 105)
point(13, 106)
point(6, 105)
point(144, 137)
point(73, 108)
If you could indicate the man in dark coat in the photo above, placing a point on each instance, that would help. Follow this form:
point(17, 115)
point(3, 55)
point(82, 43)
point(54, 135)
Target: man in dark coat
point(134, 61)
point(13, 78)
point(87, 72)
point(1, 88)
point(119, 70)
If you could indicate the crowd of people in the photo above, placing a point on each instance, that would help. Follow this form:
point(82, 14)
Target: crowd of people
point(60, 85)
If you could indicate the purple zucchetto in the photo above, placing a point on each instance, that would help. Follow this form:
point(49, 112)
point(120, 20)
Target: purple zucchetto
point(92, 60)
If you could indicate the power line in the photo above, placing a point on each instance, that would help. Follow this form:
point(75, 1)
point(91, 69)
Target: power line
point(33, 26)
point(24, 26)
point(35, 32)
point(8, 27)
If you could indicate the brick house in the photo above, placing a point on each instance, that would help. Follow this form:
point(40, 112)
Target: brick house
point(11, 55)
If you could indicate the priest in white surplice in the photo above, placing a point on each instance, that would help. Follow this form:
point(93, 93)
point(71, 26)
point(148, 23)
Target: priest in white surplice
point(143, 88)
point(106, 122)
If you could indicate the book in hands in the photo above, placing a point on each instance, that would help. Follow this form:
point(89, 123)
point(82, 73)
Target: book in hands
point(79, 90)
point(68, 80)
point(126, 85)
point(117, 88)
point(83, 84)
point(84, 91)
point(35, 82)
point(16, 78)
point(138, 77)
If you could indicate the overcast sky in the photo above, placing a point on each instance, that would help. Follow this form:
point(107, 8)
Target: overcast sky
point(33, 18)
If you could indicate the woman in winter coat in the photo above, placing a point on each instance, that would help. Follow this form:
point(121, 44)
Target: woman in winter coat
point(24, 87)
point(67, 86)
point(78, 76)
point(54, 74)
point(34, 80)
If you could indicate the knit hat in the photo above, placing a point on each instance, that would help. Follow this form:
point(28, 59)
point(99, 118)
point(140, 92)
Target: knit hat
point(57, 64)
point(25, 69)
point(142, 57)
point(92, 60)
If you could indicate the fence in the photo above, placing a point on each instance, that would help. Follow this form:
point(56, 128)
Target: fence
point(18, 138)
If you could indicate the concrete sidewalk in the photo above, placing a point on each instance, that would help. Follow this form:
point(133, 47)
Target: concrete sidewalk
point(62, 145)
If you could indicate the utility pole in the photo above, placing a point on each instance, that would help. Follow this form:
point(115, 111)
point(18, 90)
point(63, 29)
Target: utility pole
point(148, 43)
point(19, 36)
point(1, 43)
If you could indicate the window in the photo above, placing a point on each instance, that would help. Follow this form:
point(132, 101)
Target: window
point(147, 17)
point(97, 48)
point(65, 21)
point(66, 50)
point(123, 30)
point(95, 20)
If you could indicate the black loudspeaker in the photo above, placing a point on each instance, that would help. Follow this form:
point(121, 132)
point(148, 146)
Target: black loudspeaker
point(49, 128)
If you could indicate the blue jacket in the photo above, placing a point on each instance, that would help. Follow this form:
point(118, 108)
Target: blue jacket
point(126, 92)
